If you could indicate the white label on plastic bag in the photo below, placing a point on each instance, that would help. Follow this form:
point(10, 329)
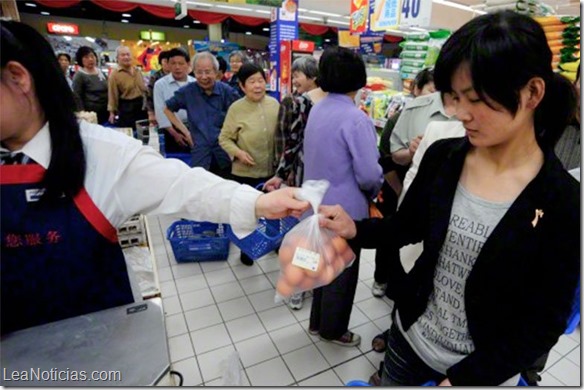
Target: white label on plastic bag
point(305, 258)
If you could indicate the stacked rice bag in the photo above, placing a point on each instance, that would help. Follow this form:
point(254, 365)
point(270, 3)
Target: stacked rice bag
point(420, 50)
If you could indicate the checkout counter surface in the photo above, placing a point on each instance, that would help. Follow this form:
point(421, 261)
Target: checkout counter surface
point(121, 346)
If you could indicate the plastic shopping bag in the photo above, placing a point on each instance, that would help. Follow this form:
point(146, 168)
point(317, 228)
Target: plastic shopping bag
point(311, 256)
point(231, 371)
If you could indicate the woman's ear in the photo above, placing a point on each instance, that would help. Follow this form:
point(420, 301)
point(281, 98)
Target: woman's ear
point(18, 76)
point(534, 92)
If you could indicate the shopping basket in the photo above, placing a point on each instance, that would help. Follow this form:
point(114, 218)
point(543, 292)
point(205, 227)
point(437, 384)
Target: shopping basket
point(267, 237)
point(198, 241)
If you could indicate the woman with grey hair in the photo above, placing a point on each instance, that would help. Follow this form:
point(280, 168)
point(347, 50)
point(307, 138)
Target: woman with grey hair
point(236, 59)
point(292, 119)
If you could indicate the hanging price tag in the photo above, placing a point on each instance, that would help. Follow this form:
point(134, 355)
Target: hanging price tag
point(416, 12)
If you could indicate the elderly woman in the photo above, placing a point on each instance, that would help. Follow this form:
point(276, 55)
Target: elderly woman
point(236, 60)
point(292, 120)
point(340, 145)
point(90, 84)
point(248, 132)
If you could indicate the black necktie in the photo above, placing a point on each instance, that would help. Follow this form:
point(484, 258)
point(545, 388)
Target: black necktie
point(9, 158)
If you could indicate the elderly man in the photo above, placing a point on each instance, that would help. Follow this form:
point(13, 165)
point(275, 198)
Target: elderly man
point(206, 102)
point(126, 91)
point(164, 89)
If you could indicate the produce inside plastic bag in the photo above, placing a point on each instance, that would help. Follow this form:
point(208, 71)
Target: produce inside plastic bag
point(311, 256)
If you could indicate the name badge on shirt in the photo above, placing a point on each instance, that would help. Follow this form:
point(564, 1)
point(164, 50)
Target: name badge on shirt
point(34, 194)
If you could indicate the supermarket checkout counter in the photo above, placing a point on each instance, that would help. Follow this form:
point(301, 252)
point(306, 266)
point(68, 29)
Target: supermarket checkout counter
point(121, 346)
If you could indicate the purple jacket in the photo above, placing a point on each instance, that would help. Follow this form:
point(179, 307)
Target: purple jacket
point(340, 145)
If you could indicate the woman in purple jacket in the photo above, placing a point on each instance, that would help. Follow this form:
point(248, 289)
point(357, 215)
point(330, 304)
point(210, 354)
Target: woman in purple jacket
point(340, 146)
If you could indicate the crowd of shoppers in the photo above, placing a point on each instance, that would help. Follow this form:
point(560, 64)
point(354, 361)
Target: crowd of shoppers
point(481, 141)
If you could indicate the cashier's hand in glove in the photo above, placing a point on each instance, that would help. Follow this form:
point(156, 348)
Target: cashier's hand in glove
point(337, 220)
point(280, 203)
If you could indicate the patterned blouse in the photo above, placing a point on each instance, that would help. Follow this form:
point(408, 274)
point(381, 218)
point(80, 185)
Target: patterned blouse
point(289, 141)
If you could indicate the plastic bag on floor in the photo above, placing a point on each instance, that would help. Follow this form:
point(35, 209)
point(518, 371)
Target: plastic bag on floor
point(311, 256)
point(231, 371)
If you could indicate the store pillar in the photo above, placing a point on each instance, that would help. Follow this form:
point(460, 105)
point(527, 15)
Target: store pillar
point(215, 32)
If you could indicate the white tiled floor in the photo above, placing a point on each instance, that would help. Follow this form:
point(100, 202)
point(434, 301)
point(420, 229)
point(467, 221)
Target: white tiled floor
point(215, 308)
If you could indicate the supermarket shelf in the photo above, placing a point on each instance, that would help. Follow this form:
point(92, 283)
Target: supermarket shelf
point(392, 76)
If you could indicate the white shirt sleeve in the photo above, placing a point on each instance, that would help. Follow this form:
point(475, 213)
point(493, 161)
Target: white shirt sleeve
point(434, 132)
point(125, 178)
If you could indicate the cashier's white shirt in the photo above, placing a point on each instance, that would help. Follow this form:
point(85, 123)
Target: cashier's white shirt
point(124, 178)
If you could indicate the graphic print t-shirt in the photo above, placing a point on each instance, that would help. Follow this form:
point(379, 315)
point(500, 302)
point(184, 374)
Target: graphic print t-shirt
point(440, 336)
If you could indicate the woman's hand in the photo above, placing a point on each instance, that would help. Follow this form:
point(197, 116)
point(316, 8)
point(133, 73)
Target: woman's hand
point(280, 203)
point(273, 184)
point(337, 220)
point(245, 157)
point(112, 118)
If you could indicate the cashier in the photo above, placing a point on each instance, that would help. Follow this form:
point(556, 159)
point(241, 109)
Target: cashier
point(67, 185)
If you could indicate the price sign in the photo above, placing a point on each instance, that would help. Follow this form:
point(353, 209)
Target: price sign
point(416, 12)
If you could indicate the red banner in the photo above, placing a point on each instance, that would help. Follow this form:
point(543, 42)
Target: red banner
point(359, 16)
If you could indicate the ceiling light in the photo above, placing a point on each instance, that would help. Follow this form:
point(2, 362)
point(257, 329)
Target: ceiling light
point(90, 39)
point(265, 29)
point(234, 8)
point(324, 13)
point(186, 26)
point(196, 22)
point(327, 40)
point(339, 22)
point(126, 15)
point(456, 5)
point(125, 21)
point(201, 4)
point(67, 37)
point(30, 4)
point(310, 18)
point(263, 11)
point(45, 13)
point(248, 33)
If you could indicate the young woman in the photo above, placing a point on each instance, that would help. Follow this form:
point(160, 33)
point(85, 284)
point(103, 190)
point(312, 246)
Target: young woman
point(248, 132)
point(90, 84)
point(59, 212)
point(498, 214)
point(340, 146)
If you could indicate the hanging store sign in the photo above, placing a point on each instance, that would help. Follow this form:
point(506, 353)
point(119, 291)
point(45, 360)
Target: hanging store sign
point(63, 28)
point(416, 13)
point(384, 14)
point(152, 35)
point(359, 16)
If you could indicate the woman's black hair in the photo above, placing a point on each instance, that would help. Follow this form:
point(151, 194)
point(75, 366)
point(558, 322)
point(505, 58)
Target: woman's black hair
point(163, 55)
point(23, 44)
point(341, 70)
point(222, 64)
point(176, 52)
point(82, 52)
point(424, 77)
point(247, 70)
point(504, 50)
point(67, 56)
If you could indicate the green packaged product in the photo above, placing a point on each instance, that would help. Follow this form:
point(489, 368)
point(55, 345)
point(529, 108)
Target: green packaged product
point(413, 54)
